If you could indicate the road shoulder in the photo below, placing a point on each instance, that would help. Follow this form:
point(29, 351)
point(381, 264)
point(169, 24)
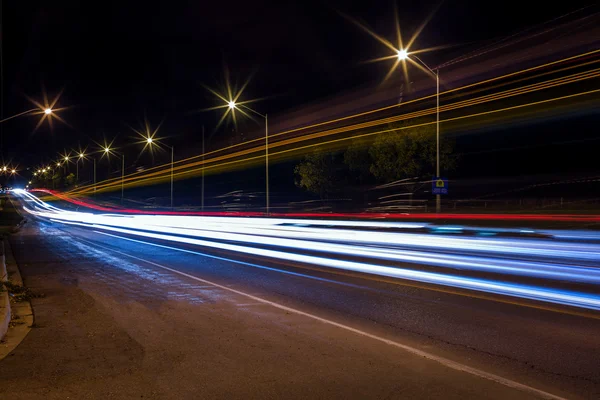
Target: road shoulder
point(20, 315)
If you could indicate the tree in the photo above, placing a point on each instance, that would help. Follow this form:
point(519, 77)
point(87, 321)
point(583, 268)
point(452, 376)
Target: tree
point(70, 179)
point(403, 152)
point(407, 152)
point(319, 173)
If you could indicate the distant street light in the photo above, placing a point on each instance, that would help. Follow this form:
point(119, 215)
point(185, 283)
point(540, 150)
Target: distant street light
point(33, 110)
point(14, 171)
point(402, 54)
point(46, 111)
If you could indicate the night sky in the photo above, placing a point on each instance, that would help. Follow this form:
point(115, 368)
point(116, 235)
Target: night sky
point(118, 61)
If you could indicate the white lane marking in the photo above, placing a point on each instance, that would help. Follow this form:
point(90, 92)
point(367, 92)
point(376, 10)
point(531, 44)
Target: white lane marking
point(441, 360)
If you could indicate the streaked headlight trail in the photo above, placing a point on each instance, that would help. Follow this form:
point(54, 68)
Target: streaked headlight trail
point(490, 265)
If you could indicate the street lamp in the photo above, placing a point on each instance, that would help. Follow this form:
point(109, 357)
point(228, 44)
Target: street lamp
point(108, 151)
point(23, 113)
point(81, 157)
point(403, 55)
point(150, 142)
point(48, 111)
point(233, 105)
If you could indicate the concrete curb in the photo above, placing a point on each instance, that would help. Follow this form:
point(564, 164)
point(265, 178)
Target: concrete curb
point(5, 311)
point(21, 312)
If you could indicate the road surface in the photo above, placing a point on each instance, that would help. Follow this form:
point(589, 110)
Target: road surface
point(126, 316)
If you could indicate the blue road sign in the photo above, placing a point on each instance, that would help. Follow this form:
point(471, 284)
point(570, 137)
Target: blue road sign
point(439, 185)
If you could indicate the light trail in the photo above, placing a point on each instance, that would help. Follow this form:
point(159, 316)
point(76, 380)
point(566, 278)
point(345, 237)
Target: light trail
point(357, 246)
point(157, 176)
point(300, 149)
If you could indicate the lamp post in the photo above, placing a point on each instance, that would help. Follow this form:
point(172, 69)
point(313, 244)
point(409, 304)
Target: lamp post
point(402, 56)
point(94, 175)
point(81, 157)
point(107, 151)
point(232, 105)
point(150, 141)
point(47, 111)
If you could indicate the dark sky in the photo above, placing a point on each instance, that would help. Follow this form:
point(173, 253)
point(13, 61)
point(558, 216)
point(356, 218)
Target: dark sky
point(120, 60)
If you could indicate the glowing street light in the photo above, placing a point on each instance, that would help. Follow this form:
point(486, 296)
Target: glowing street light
point(14, 171)
point(231, 103)
point(148, 135)
point(400, 52)
point(48, 111)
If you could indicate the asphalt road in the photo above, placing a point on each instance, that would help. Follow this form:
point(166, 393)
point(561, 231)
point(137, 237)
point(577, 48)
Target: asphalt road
point(129, 319)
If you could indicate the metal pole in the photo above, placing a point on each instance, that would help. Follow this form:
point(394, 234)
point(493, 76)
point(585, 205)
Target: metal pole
point(77, 169)
point(172, 158)
point(122, 176)
point(203, 166)
point(438, 199)
point(94, 176)
point(19, 114)
point(267, 158)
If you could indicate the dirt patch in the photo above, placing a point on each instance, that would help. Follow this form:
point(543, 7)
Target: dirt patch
point(19, 293)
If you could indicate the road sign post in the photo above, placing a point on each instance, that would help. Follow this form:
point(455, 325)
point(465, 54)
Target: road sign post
point(439, 185)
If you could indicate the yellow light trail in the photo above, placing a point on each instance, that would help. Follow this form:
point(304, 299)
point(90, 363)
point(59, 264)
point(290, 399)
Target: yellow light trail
point(360, 126)
point(417, 114)
point(379, 110)
point(298, 149)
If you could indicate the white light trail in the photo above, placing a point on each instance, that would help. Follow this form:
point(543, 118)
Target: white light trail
point(340, 246)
